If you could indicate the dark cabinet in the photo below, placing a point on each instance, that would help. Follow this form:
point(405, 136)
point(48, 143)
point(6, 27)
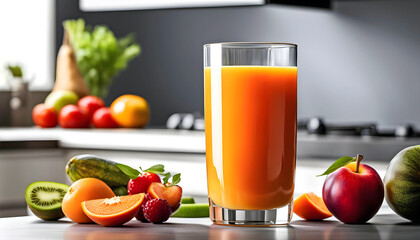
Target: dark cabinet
point(311, 3)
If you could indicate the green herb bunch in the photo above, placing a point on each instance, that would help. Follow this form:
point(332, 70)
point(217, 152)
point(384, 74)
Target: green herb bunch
point(100, 55)
point(16, 71)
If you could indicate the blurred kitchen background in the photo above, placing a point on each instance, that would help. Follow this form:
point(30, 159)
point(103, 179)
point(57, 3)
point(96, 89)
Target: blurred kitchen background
point(357, 83)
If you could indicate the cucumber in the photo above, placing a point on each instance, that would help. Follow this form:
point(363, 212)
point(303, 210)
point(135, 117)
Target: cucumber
point(192, 210)
point(187, 200)
point(89, 166)
point(120, 191)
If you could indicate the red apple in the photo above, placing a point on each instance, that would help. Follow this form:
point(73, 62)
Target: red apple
point(102, 118)
point(71, 116)
point(172, 194)
point(90, 104)
point(353, 193)
point(44, 116)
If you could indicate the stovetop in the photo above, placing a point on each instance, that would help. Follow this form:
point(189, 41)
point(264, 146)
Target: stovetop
point(318, 138)
point(319, 126)
point(315, 126)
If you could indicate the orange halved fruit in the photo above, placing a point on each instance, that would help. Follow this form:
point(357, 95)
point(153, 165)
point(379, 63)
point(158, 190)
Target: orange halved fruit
point(113, 211)
point(311, 207)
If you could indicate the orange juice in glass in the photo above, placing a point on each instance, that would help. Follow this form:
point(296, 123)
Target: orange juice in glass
point(250, 121)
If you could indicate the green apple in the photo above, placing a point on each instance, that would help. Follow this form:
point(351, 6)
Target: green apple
point(61, 98)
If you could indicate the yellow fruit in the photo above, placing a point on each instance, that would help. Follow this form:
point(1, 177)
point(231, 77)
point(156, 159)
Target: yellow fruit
point(130, 111)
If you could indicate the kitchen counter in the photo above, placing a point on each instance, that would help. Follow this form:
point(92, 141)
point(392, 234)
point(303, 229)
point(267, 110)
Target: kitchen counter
point(184, 141)
point(385, 227)
point(154, 140)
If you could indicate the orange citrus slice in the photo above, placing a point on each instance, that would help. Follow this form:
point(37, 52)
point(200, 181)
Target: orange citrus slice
point(113, 211)
point(310, 207)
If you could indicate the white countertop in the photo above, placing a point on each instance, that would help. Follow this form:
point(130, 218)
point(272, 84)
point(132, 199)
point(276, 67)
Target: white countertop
point(164, 140)
point(184, 141)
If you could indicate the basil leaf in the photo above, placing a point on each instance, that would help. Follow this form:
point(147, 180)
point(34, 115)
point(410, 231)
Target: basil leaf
point(127, 170)
point(176, 179)
point(341, 162)
point(158, 169)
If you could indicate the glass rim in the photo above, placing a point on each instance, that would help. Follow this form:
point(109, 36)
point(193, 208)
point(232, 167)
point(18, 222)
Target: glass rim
point(245, 44)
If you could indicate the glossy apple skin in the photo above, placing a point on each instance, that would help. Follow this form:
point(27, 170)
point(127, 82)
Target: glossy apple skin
point(89, 104)
point(44, 116)
point(353, 197)
point(71, 116)
point(102, 118)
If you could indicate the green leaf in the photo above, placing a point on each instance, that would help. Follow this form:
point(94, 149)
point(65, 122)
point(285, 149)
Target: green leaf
point(176, 179)
point(129, 171)
point(166, 178)
point(157, 169)
point(15, 70)
point(341, 162)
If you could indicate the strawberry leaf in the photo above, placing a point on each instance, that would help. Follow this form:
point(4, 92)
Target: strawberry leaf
point(176, 179)
point(166, 178)
point(341, 162)
point(129, 171)
point(157, 169)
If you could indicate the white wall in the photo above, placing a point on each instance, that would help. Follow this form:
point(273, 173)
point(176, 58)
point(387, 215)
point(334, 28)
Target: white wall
point(358, 61)
point(27, 38)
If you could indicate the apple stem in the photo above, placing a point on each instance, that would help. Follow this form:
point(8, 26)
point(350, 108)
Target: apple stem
point(358, 160)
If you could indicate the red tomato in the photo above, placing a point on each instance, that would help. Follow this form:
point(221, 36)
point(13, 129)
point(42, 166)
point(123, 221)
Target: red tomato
point(44, 116)
point(102, 118)
point(90, 104)
point(71, 116)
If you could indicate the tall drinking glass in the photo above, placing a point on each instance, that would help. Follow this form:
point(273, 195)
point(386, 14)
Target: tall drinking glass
point(250, 123)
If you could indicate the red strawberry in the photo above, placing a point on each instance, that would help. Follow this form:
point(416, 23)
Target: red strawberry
point(142, 182)
point(140, 215)
point(157, 210)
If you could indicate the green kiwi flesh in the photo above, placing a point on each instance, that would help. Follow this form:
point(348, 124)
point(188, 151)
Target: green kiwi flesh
point(45, 198)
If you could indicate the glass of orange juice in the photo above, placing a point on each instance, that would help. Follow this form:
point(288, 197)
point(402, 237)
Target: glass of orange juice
point(250, 124)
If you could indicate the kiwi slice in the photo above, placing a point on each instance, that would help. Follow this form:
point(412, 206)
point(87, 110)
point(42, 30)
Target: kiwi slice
point(45, 198)
point(192, 210)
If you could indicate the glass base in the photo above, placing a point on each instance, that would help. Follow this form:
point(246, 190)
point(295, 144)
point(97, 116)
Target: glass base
point(251, 218)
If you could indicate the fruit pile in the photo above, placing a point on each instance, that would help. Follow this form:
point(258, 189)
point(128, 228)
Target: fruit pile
point(64, 107)
point(99, 194)
point(354, 192)
point(161, 199)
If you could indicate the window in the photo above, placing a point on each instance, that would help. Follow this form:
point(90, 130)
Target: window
point(27, 39)
point(113, 5)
